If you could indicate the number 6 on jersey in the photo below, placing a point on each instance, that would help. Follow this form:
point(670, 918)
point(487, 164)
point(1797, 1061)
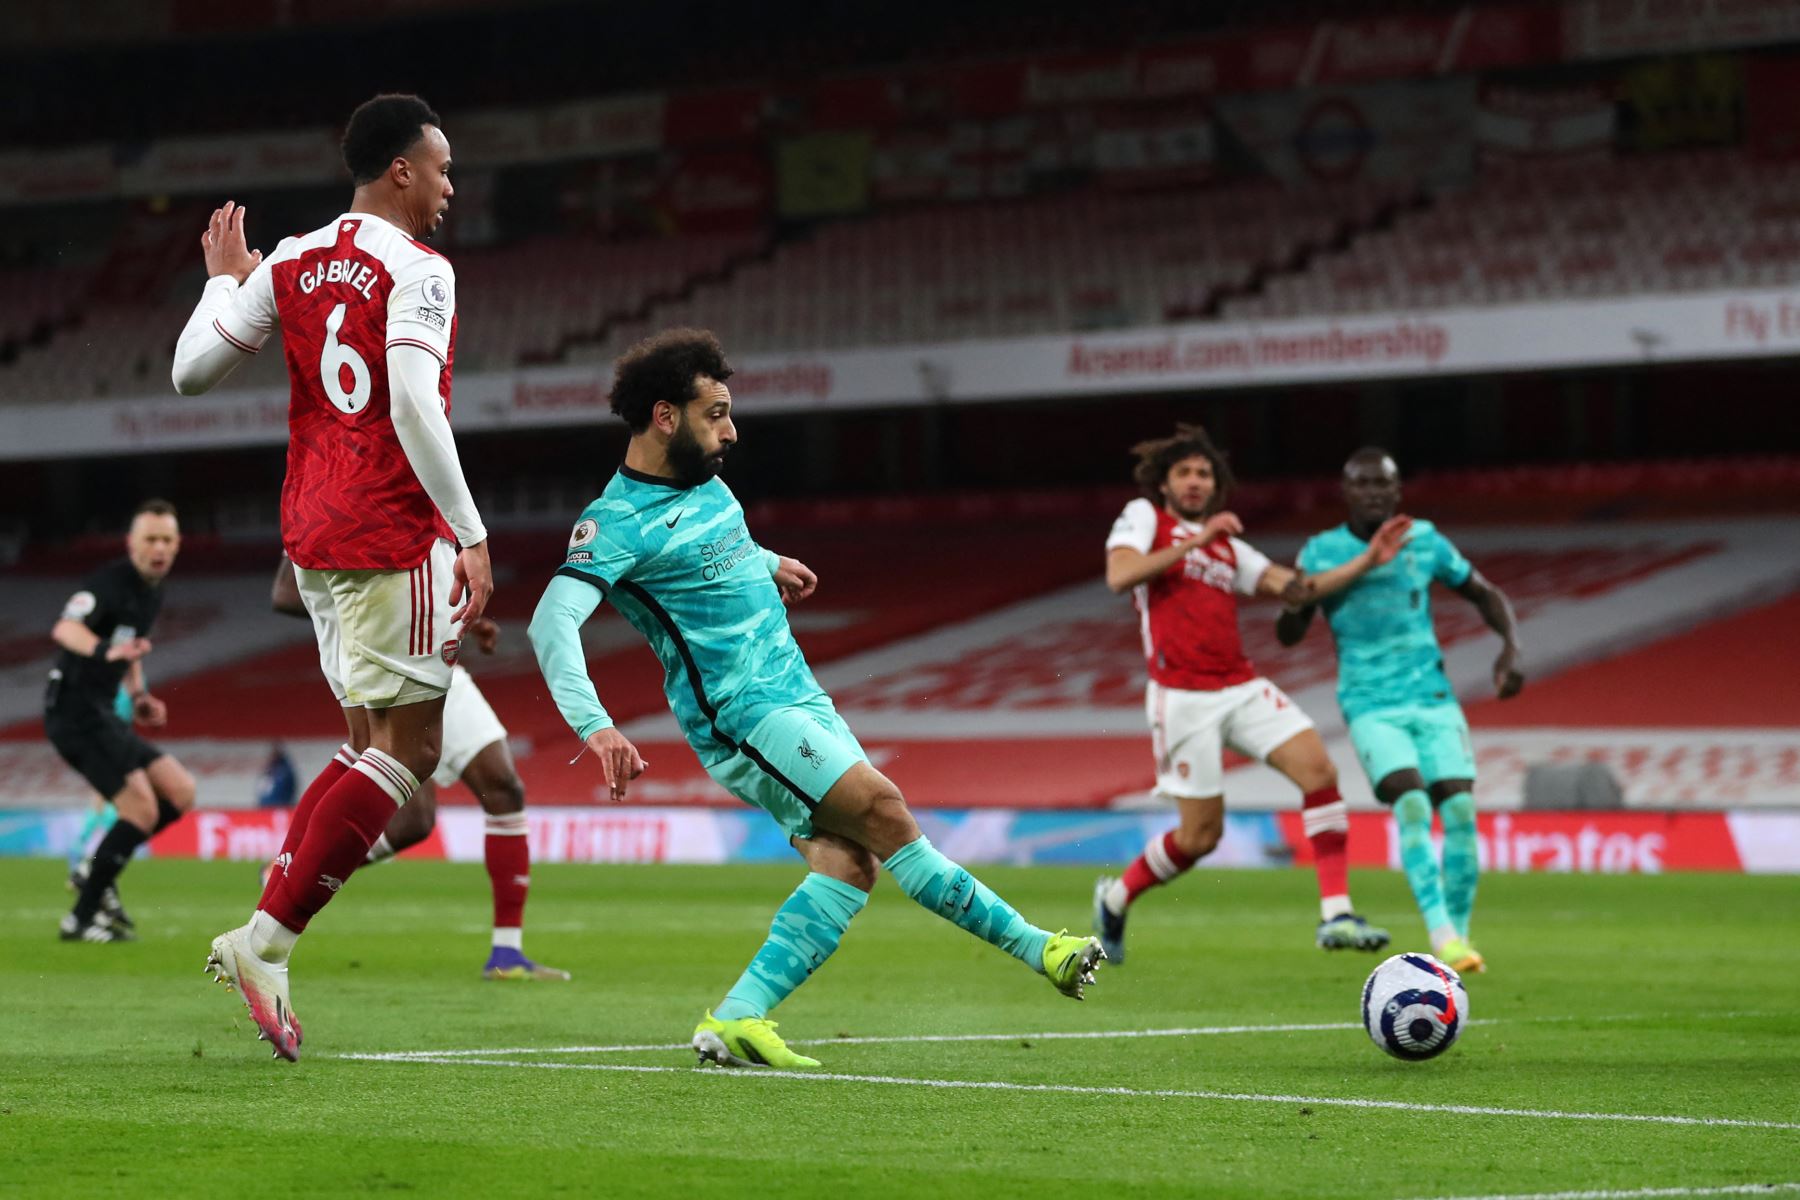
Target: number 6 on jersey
point(332, 361)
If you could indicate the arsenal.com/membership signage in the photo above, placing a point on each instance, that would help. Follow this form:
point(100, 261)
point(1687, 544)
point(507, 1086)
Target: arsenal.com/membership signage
point(1640, 329)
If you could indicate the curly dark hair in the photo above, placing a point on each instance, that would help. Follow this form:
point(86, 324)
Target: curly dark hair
point(664, 367)
point(1157, 456)
point(381, 130)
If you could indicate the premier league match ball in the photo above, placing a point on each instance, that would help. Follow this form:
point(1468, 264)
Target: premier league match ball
point(1414, 1006)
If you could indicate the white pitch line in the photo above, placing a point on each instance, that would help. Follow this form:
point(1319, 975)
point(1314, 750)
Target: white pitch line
point(1070, 1089)
point(1079, 1035)
point(453, 1055)
point(910, 1039)
point(1743, 1189)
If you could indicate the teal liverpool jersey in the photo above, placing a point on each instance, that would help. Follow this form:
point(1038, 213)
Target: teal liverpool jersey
point(1388, 652)
point(679, 564)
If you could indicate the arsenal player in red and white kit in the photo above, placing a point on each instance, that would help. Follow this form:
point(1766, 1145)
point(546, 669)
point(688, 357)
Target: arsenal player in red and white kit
point(390, 554)
point(1180, 556)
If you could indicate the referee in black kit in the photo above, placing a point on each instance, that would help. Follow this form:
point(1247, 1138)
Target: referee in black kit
point(104, 635)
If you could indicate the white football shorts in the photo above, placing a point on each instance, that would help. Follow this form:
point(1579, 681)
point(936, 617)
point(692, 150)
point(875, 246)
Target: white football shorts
point(1189, 731)
point(385, 637)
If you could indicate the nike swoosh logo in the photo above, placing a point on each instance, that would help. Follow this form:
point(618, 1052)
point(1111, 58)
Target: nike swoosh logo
point(670, 523)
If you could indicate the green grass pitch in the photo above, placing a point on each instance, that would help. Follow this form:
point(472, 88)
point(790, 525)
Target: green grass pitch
point(124, 1071)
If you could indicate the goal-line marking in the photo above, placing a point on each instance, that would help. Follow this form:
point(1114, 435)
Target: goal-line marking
point(1070, 1089)
point(1742, 1189)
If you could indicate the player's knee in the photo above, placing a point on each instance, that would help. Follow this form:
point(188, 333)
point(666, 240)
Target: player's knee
point(421, 758)
point(1317, 774)
point(178, 788)
point(1197, 841)
point(181, 792)
point(136, 806)
point(502, 797)
point(1457, 809)
point(1413, 809)
point(887, 821)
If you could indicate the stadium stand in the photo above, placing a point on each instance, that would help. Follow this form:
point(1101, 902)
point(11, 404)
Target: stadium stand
point(1087, 259)
point(1674, 222)
point(1091, 259)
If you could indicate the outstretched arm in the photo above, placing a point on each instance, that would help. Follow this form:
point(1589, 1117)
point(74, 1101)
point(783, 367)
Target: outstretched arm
point(1497, 611)
point(1127, 566)
point(1297, 589)
point(208, 350)
point(555, 634)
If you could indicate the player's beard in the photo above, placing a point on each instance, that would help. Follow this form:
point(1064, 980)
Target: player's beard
point(1192, 515)
point(690, 463)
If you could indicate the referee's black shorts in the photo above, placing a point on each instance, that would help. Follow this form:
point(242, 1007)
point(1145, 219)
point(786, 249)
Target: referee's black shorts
point(103, 751)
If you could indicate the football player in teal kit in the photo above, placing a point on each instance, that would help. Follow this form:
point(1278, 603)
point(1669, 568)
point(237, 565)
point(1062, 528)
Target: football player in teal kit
point(1404, 720)
point(666, 544)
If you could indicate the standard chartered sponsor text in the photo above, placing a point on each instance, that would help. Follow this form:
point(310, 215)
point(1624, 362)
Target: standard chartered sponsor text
point(721, 555)
point(1421, 341)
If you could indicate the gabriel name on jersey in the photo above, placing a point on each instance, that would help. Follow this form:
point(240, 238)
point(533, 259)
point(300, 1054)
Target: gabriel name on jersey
point(360, 276)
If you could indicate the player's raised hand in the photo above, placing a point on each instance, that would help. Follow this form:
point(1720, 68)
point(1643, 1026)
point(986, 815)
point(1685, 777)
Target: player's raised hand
point(1390, 538)
point(474, 579)
point(1222, 524)
point(150, 711)
point(128, 651)
point(1509, 673)
point(224, 247)
point(485, 631)
point(618, 758)
point(796, 580)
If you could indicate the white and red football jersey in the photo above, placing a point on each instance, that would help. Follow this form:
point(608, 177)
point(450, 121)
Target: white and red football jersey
point(1189, 613)
point(343, 294)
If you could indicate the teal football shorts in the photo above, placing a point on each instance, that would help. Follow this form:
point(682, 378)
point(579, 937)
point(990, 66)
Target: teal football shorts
point(789, 761)
point(1430, 739)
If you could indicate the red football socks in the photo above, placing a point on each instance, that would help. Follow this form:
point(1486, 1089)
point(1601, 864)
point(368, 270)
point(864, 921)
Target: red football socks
point(1161, 861)
point(508, 855)
point(334, 770)
point(339, 832)
point(1326, 819)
